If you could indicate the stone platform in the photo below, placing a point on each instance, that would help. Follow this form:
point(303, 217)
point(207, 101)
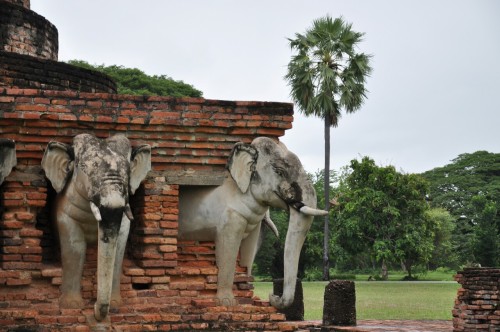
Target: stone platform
point(373, 326)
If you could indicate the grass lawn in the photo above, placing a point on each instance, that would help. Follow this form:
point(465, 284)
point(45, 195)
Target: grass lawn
point(427, 276)
point(382, 300)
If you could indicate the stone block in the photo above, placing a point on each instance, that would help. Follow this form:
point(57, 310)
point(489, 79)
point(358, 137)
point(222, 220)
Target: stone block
point(340, 303)
point(295, 312)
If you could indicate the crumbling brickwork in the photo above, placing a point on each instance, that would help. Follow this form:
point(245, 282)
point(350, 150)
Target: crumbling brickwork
point(22, 71)
point(168, 283)
point(23, 31)
point(477, 306)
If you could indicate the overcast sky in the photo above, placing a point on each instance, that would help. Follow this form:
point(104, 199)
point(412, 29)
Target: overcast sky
point(434, 91)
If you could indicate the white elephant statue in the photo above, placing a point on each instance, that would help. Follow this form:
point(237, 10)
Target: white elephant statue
point(93, 179)
point(7, 157)
point(262, 174)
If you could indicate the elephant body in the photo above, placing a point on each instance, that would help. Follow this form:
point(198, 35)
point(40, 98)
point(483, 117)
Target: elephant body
point(94, 179)
point(260, 175)
point(7, 157)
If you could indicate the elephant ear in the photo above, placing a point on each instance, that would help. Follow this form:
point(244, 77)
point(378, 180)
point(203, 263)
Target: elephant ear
point(57, 162)
point(241, 164)
point(140, 165)
point(7, 157)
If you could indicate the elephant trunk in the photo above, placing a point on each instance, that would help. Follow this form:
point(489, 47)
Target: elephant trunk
point(297, 230)
point(106, 249)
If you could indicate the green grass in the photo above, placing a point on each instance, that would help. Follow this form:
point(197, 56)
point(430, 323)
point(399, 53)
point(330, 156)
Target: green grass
point(382, 300)
point(427, 276)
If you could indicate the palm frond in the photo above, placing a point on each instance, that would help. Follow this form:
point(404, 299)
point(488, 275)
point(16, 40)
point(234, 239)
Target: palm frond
point(327, 75)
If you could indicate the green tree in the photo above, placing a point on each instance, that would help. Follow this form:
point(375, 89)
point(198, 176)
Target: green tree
point(133, 81)
point(454, 187)
point(486, 243)
point(382, 212)
point(443, 254)
point(327, 76)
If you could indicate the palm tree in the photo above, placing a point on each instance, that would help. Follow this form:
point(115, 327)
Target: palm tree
point(327, 76)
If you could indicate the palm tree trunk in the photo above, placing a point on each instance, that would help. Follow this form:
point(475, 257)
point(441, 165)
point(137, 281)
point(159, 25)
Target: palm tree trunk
point(326, 259)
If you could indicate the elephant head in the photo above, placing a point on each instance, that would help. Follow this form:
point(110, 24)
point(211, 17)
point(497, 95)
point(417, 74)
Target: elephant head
point(94, 179)
point(7, 157)
point(275, 177)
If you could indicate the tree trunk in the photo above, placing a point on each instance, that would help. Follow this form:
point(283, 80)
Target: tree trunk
point(385, 273)
point(326, 259)
point(408, 266)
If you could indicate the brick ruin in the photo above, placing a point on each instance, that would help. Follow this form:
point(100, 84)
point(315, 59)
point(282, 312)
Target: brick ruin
point(477, 306)
point(166, 284)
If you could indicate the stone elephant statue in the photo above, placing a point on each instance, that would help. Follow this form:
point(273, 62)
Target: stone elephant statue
point(262, 174)
point(7, 157)
point(94, 179)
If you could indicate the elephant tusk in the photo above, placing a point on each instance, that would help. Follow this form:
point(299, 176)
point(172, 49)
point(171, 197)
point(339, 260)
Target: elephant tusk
point(128, 212)
point(95, 211)
point(312, 212)
point(269, 222)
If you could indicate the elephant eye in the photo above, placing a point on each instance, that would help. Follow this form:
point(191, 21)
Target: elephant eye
point(279, 170)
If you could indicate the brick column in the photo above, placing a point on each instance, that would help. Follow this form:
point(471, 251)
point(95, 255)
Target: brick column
point(23, 195)
point(153, 233)
point(477, 306)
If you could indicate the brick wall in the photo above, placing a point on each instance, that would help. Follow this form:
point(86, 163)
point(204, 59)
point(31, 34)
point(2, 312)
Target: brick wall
point(23, 31)
point(477, 306)
point(166, 284)
point(23, 71)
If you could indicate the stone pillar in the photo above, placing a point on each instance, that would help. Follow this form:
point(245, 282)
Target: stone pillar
point(294, 312)
point(340, 303)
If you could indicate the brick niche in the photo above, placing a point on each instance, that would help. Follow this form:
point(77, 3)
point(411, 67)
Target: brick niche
point(477, 306)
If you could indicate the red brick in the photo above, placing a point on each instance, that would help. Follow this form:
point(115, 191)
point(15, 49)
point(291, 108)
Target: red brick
point(67, 320)
point(171, 317)
point(26, 216)
point(13, 195)
point(134, 271)
point(141, 280)
point(18, 282)
point(21, 266)
point(30, 232)
point(9, 258)
point(32, 258)
point(6, 99)
point(45, 320)
point(13, 224)
point(160, 280)
point(52, 272)
point(155, 272)
point(13, 202)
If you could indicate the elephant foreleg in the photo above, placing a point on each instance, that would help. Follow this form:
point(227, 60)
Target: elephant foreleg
point(227, 245)
point(116, 298)
point(248, 249)
point(73, 248)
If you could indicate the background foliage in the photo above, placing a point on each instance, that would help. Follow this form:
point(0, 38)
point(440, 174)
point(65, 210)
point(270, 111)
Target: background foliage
point(132, 81)
point(445, 218)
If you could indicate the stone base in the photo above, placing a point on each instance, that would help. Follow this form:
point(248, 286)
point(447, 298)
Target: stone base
point(31, 310)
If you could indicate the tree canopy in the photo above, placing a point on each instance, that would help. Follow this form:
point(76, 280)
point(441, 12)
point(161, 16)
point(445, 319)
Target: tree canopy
point(469, 188)
point(382, 212)
point(134, 81)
